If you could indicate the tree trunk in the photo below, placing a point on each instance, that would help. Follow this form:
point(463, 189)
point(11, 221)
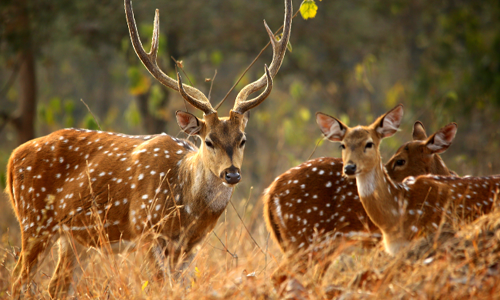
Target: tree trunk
point(24, 118)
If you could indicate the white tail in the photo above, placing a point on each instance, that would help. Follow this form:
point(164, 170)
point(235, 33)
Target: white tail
point(73, 182)
point(315, 197)
point(417, 206)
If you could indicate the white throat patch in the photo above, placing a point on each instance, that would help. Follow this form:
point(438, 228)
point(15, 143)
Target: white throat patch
point(366, 183)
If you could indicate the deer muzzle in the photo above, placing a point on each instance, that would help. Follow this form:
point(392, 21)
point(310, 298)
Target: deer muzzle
point(350, 169)
point(231, 175)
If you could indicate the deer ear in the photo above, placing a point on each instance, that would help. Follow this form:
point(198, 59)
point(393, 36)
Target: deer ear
point(419, 132)
point(388, 124)
point(189, 123)
point(246, 117)
point(441, 140)
point(333, 129)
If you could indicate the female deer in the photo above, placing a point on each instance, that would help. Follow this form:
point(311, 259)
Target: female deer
point(417, 205)
point(315, 196)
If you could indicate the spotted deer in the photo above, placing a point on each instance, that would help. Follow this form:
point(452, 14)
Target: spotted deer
point(69, 184)
point(315, 197)
point(418, 205)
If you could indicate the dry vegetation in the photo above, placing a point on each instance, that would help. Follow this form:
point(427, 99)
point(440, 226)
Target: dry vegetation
point(462, 262)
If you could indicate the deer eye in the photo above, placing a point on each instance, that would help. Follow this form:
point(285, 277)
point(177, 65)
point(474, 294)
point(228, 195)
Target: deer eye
point(243, 143)
point(400, 162)
point(369, 145)
point(209, 144)
point(342, 146)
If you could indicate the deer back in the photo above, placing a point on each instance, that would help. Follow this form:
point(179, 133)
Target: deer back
point(312, 198)
point(292, 202)
point(130, 181)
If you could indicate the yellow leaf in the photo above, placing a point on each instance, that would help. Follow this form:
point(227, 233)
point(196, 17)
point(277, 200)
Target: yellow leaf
point(308, 9)
point(144, 285)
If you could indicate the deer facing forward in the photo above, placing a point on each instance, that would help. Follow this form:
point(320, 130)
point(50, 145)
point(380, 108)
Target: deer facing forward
point(315, 197)
point(72, 183)
point(417, 206)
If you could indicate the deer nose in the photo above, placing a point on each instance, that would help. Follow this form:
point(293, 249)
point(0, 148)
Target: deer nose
point(232, 178)
point(350, 169)
point(232, 175)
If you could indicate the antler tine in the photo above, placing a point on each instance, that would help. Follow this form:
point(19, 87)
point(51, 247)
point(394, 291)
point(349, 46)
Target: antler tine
point(279, 50)
point(149, 60)
point(247, 105)
point(203, 106)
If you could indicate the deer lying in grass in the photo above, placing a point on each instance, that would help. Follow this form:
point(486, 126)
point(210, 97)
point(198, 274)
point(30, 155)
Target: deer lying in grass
point(314, 197)
point(418, 205)
point(71, 184)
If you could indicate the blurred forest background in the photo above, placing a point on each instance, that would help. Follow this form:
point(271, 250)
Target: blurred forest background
point(353, 60)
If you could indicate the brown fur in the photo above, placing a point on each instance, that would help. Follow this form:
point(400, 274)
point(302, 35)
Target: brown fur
point(136, 184)
point(87, 188)
point(337, 196)
point(419, 205)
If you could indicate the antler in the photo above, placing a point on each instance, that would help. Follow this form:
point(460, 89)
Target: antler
point(194, 96)
point(279, 50)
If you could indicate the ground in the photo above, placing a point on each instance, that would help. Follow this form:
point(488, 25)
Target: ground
point(237, 261)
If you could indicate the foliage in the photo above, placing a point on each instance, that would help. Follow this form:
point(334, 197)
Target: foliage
point(354, 60)
point(308, 9)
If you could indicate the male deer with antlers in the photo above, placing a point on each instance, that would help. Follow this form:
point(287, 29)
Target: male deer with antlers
point(314, 197)
point(417, 206)
point(134, 184)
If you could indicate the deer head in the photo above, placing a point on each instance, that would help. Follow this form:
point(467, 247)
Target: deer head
point(360, 144)
point(223, 139)
point(420, 156)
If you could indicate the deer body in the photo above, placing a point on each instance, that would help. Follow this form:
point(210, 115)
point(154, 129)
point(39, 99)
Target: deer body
point(417, 206)
point(132, 181)
point(310, 198)
point(420, 204)
point(74, 185)
point(316, 198)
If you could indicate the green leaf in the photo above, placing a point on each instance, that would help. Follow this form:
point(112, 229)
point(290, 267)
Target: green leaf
point(55, 105)
point(132, 115)
point(139, 83)
point(69, 106)
point(155, 100)
point(69, 121)
point(89, 122)
point(296, 90)
point(216, 58)
point(308, 9)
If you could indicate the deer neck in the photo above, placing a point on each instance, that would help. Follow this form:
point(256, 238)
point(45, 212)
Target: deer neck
point(380, 197)
point(438, 166)
point(206, 192)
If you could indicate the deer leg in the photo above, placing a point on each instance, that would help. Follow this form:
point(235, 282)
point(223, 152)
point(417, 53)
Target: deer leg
point(180, 261)
point(157, 256)
point(65, 275)
point(33, 248)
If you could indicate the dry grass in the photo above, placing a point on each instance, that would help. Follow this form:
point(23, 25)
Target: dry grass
point(463, 264)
